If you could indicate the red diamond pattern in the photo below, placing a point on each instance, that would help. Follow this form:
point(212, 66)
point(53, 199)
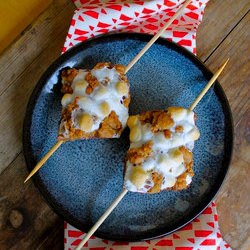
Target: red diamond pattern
point(93, 14)
point(164, 242)
point(97, 17)
point(118, 15)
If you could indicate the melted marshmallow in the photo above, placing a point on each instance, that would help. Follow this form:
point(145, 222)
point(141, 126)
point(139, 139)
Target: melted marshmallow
point(164, 160)
point(92, 104)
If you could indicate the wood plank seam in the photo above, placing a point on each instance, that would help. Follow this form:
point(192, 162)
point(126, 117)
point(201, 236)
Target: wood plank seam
point(15, 88)
point(219, 44)
point(29, 29)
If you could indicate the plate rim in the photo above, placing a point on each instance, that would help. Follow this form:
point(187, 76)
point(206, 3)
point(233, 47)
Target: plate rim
point(30, 163)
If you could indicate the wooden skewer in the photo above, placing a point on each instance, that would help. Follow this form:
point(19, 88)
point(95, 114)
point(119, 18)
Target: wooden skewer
point(156, 36)
point(130, 65)
point(102, 218)
point(207, 87)
point(44, 159)
point(124, 192)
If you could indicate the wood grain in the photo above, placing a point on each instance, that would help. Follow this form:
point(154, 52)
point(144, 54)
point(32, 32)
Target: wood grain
point(219, 19)
point(234, 200)
point(26, 222)
point(33, 41)
point(236, 83)
point(233, 205)
point(16, 86)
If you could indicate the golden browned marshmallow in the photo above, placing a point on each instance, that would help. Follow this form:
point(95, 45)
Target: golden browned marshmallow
point(176, 155)
point(80, 87)
point(138, 176)
point(194, 134)
point(122, 88)
point(85, 122)
point(66, 99)
point(105, 108)
point(132, 121)
point(177, 113)
point(135, 134)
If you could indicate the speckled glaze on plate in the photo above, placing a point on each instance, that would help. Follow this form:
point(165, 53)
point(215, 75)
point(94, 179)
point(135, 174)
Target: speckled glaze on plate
point(82, 178)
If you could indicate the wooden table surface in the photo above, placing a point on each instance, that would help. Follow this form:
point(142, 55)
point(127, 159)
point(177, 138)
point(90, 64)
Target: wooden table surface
point(26, 221)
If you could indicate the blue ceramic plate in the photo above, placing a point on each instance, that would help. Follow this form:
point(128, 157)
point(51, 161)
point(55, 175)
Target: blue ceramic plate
point(82, 178)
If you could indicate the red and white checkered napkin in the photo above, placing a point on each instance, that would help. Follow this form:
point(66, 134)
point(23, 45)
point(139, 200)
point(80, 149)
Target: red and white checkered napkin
point(203, 234)
point(98, 17)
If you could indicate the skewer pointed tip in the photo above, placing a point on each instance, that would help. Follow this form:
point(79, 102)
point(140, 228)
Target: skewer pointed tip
point(225, 63)
point(43, 160)
point(221, 68)
point(27, 178)
point(210, 83)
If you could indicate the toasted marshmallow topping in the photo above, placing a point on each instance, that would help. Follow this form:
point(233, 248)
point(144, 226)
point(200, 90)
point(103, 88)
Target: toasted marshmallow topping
point(96, 100)
point(172, 134)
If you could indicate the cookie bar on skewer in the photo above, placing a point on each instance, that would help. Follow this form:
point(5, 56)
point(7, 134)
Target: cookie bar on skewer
point(95, 105)
point(95, 102)
point(160, 154)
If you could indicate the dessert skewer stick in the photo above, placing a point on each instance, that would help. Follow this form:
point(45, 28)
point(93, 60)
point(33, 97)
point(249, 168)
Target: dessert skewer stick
point(124, 192)
point(44, 159)
point(102, 218)
point(130, 65)
point(208, 86)
point(155, 37)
